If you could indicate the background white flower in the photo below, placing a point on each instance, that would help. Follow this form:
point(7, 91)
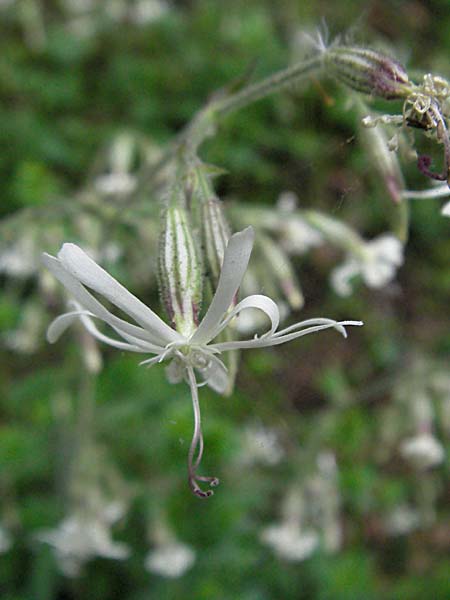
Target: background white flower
point(260, 445)
point(170, 560)
point(78, 538)
point(377, 262)
point(5, 540)
point(290, 542)
point(423, 450)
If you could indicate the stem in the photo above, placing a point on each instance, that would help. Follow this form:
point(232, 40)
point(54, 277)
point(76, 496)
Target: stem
point(206, 120)
point(197, 444)
point(269, 85)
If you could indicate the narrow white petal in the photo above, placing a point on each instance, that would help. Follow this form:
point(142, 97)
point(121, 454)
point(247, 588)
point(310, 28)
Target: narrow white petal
point(309, 323)
point(133, 344)
point(275, 340)
point(140, 346)
point(88, 272)
point(90, 303)
point(440, 191)
point(59, 325)
point(235, 262)
point(149, 362)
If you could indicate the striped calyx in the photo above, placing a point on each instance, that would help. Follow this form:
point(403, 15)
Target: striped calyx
point(210, 219)
point(179, 269)
point(368, 71)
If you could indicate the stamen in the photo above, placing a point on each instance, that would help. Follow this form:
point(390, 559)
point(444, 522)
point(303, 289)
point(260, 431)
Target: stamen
point(196, 448)
point(424, 162)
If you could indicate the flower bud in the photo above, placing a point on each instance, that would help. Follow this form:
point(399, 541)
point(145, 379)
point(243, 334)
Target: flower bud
point(216, 233)
point(368, 71)
point(179, 271)
point(208, 217)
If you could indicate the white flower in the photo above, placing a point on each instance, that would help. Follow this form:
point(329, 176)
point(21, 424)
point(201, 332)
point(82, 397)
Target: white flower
point(423, 450)
point(78, 539)
point(297, 236)
point(170, 560)
point(190, 354)
point(445, 212)
point(5, 540)
point(402, 520)
point(376, 262)
point(19, 259)
point(147, 11)
point(260, 445)
point(289, 542)
point(116, 183)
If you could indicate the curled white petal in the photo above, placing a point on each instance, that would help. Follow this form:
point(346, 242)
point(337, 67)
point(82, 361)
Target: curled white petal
point(59, 325)
point(235, 262)
point(258, 302)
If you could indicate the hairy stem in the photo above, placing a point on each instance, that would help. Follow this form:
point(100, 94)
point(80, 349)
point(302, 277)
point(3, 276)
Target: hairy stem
point(270, 85)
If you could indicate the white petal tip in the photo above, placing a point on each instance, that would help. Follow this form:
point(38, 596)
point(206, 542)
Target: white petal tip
point(53, 333)
point(46, 258)
point(340, 326)
point(248, 233)
point(51, 339)
point(59, 325)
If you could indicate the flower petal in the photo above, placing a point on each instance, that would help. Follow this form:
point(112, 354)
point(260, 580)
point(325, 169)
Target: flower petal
point(90, 303)
point(235, 262)
point(216, 375)
point(258, 302)
point(59, 325)
point(140, 345)
point(89, 273)
point(341, 276)
point(283, 337)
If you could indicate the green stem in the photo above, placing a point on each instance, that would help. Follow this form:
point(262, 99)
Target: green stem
point(206, 120)
point(270, 85)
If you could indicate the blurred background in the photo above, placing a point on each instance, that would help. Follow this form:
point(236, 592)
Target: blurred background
point(331, 452)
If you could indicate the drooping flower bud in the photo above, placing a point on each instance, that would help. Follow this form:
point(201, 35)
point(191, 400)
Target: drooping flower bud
point(368, 71)
point(179, 271)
